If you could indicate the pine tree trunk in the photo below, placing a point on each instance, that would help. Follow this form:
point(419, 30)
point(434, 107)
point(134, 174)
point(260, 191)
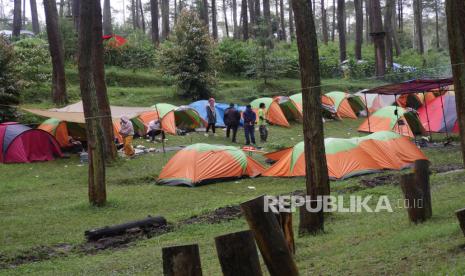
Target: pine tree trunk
point(317, 180)
point(90, 33)
point(225, 15)
point(378, 38)
point(400, 14)
point(155, 29)
point(418, 16)
point(333, 24)
point(291, 21)
point(76, 13)
point(324, 23)
point(142, 17)
point(283, 24)
point(175, 12)
point(436, 14)
point(367, 22)
point(165, 19)
point(388, 29)
point(245, 23)
point(358, 28)
point(214, 21)
point(252, 20)
point(258, 12)
point(34, 17)
point(107, 27)
point(395, 37)
point(455, 11)
point(17, 21)
point(267, 16)
point(133, 14)
point(236, 28)
point(56, 52)
point(204, 12)
point(341, 29)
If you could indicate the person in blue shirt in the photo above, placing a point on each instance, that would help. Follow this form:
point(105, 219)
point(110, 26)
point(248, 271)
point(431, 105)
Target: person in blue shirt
point(250, 118)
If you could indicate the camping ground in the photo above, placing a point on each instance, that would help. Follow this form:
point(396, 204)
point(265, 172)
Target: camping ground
point(44, 208)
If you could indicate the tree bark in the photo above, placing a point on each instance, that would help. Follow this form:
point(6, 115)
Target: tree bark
point(234, 10)
point(107, 27)
point(341, 29)
point(34, 17)
point(17, 21)
point(258, 12)
point(90, 33)
point(56, 52)
point(203, 6)
point(400, 15)
point(76, 13)
point(291, 21)
point(134, 14)
point(461, 218)
point(181, 260)
point(395, 37)
point(389, 32)
point(418, 22)
point(214, 21)
point(333, 24)
point(317, 180)
point(155, 30)
point(436, 15)
point(165, 19)
point(367, 22)
point(267, 16)
point(245, 21)
point(324, 22)
point(378, 38)
point(455, 11)
point(142, 17)
point(252, 19)
point(358, 28)
point(225, 15)
point(283, 24)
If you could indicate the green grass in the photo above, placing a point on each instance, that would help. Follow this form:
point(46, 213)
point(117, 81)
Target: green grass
point(42, 204)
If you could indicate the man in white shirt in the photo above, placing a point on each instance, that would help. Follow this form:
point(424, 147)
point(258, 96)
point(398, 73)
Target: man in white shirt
point(154, 129)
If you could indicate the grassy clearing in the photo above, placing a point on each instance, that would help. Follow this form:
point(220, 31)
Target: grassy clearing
point(46, 203)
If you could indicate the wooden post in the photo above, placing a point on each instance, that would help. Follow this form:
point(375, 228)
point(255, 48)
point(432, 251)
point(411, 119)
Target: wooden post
point(181, 260)
point(238, 254)
point(414, 198)
point(269, 237)
point(461, 217)
point(285, 222)
point(422, 173)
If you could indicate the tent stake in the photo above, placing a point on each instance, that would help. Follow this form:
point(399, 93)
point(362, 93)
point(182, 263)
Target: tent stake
point(427, 118)
point(368, 112)
point(444, 117)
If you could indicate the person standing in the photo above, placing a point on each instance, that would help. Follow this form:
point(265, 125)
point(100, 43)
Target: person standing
point(232, 118)
point(211, 115)
point(262, 123)
point(154, 129)
point(127, 132)
point(249, 125)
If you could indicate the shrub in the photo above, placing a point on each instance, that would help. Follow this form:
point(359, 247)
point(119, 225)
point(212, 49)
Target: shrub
point(188, 57)
point(9, 85)
point(235, 56)
point(33, 55)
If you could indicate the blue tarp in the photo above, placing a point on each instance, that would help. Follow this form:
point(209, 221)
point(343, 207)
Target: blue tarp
point(201, 108)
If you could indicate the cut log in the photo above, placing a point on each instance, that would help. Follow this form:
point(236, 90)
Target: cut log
point(181, 260)
point(461, 217)
point(269, 238)
point(238, 254)
point(285, 222)
point(422, 173)
point(120, 229)
point(414, 198)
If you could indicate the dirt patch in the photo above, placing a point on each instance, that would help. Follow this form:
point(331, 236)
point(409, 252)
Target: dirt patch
point(446, 168)
point(217, 216)
point(36, 254)
point(371, 182)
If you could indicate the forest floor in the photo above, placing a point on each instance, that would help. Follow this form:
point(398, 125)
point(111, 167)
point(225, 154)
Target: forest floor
point(44, 209)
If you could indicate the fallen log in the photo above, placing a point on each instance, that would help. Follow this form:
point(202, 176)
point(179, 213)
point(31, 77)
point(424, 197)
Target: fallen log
point(183, 260)
point(120, 229)
point(238, 254)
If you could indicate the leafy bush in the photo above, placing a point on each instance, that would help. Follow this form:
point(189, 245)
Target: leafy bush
point(9, 85)
point(137, 53)
point(33, 55)
point(235, 56)
point(69, 37)
point(188, 57)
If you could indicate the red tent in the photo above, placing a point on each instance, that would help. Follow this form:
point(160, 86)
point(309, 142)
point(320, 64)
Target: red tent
point(115, 40)
point(22, 144)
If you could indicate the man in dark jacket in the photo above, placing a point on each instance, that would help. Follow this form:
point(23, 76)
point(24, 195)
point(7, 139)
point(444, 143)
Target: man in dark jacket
point(249, 125)
point(232, 118)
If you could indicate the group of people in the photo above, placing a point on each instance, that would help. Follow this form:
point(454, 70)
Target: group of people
point(232, 119)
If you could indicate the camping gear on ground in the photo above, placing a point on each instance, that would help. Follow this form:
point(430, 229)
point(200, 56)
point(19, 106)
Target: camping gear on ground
point(201, 163)
point(349, 157)
point(345, 104)
point(440, 115)
point(172, 117)
point(274, 114)
point(22, 144)
point(62, 130)
point(393, 118)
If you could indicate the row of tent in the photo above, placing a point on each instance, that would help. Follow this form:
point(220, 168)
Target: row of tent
point(202, 163)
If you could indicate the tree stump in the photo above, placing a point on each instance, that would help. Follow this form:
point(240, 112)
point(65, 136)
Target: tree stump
point(414, 198)
point(269, 237)
point(285, 222)
point(181, 260)
point(461, 217)
point(422, 173)
point(238, 254)
point(311, 222)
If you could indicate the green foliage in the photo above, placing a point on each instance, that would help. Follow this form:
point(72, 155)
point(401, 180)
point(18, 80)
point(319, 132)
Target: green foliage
point(9, 85)
point(188, 57)
point(235, 56)
point(33, 55)
point(69, 37)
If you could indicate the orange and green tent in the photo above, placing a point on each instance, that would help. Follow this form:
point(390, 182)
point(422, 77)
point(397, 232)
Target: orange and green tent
point(202, 163)
point(172, 117)
point(326, 102)
point(289, 107)
point(345, 104)
point(274, 114)
point(404, 123)
point(61, 130)
point(350, 157)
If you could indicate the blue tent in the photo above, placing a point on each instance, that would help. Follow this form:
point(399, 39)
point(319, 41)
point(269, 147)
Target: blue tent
point(201, 108)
